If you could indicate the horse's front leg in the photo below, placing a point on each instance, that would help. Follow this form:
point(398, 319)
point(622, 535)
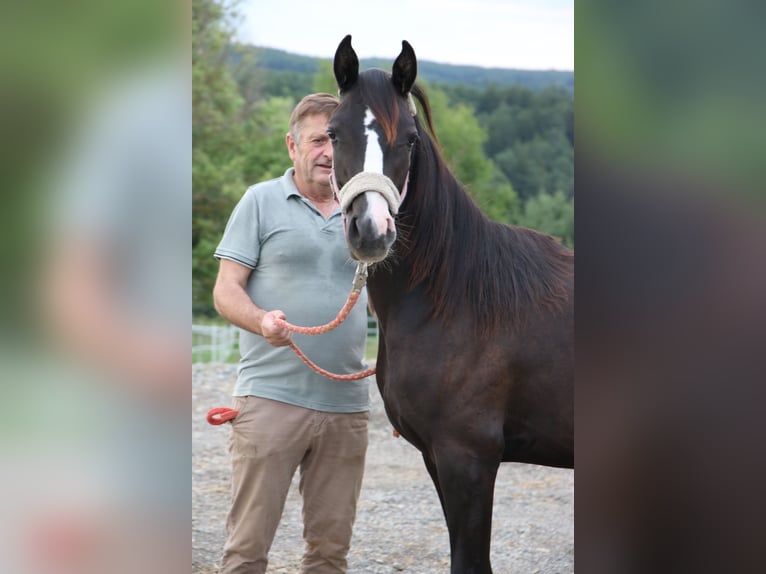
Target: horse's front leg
point(467, 486)
point(431, 468)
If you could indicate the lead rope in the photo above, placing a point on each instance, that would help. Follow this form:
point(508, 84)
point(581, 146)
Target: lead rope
point(360, 278)
point(220, 415)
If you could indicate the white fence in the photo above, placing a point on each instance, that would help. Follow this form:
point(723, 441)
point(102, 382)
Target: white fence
point(220, 343)
point(214, 343)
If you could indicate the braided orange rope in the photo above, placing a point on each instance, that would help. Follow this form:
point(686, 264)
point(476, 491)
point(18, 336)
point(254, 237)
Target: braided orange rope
point(342, 316)
point(316, 368)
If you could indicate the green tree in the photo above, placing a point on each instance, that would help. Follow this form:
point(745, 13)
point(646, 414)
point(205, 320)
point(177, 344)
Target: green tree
point(539, 165)
point(324, 79)
point(287, 84)
point(530, 137)
point(217, 141)
point(552, 214)
point(265, 154)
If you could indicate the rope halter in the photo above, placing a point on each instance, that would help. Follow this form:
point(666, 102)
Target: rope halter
point(367, 181)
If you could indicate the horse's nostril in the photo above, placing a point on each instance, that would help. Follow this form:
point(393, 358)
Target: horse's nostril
point(353, 223)
point(352, 228)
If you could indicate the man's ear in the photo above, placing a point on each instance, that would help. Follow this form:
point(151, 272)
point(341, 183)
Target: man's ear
point(291, 145)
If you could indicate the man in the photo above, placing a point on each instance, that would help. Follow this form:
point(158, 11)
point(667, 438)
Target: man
point(283, 255)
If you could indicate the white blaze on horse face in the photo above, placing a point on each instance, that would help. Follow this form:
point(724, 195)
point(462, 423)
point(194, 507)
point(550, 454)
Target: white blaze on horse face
point(377, 206)
point(373, 155)
point(377, 210)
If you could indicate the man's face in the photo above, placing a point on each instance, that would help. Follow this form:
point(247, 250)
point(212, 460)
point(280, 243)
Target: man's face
point(312, 156)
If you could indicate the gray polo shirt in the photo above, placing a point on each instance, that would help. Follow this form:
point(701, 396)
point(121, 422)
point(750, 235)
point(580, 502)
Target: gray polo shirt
point(300, 265)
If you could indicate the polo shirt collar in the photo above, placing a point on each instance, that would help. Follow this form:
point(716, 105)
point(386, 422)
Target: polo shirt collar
point(288, 184)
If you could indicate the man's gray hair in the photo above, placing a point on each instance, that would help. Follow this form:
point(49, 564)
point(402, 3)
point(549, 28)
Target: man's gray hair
point(311, 105)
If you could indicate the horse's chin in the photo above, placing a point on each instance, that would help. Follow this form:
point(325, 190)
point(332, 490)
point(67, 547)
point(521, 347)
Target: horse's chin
point(369, 242)
point(369, 254)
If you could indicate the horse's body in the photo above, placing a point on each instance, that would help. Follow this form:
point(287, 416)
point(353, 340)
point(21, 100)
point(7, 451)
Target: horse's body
point(475, 361)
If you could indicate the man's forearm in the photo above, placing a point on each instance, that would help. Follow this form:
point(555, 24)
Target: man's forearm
point(234, 304)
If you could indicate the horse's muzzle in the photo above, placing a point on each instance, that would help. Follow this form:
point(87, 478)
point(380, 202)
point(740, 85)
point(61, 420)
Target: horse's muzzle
point(370, 229)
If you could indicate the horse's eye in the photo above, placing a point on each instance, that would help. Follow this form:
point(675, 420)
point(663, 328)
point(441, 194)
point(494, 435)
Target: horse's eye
point(412, 139)
point(331, 134)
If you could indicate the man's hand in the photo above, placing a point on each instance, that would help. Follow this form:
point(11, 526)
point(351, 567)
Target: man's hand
point(275, 334)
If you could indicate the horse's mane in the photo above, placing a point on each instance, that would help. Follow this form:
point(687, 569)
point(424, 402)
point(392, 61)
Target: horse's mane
point(460, 255)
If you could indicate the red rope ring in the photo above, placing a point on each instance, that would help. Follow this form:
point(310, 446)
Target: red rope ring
point(220, 415)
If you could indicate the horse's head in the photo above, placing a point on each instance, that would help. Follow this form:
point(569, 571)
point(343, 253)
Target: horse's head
point(373, 132)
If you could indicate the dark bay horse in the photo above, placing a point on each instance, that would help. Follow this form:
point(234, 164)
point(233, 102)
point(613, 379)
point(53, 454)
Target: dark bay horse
point(475, 361)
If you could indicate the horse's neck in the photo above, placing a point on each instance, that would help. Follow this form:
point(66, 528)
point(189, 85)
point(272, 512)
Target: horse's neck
point(387, 287)
point(392, 298)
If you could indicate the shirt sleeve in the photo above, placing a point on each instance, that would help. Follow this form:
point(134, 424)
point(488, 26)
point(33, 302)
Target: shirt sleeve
point(241, 238)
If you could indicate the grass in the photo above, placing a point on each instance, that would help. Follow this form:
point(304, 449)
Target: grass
point(371, 352)
point(207, 357)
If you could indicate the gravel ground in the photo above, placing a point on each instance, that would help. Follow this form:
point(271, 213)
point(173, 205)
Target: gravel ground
point(399, 526)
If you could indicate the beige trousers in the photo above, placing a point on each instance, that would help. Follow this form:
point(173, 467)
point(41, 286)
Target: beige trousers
point(269, 441)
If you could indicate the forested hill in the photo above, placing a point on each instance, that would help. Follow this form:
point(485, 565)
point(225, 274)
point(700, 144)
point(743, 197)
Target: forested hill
point(432, 72)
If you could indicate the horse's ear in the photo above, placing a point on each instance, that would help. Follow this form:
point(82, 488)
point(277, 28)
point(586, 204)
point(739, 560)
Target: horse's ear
point(346, 65)
point(405, 69)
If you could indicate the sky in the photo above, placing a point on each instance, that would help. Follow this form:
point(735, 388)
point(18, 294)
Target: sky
point(525, 34)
